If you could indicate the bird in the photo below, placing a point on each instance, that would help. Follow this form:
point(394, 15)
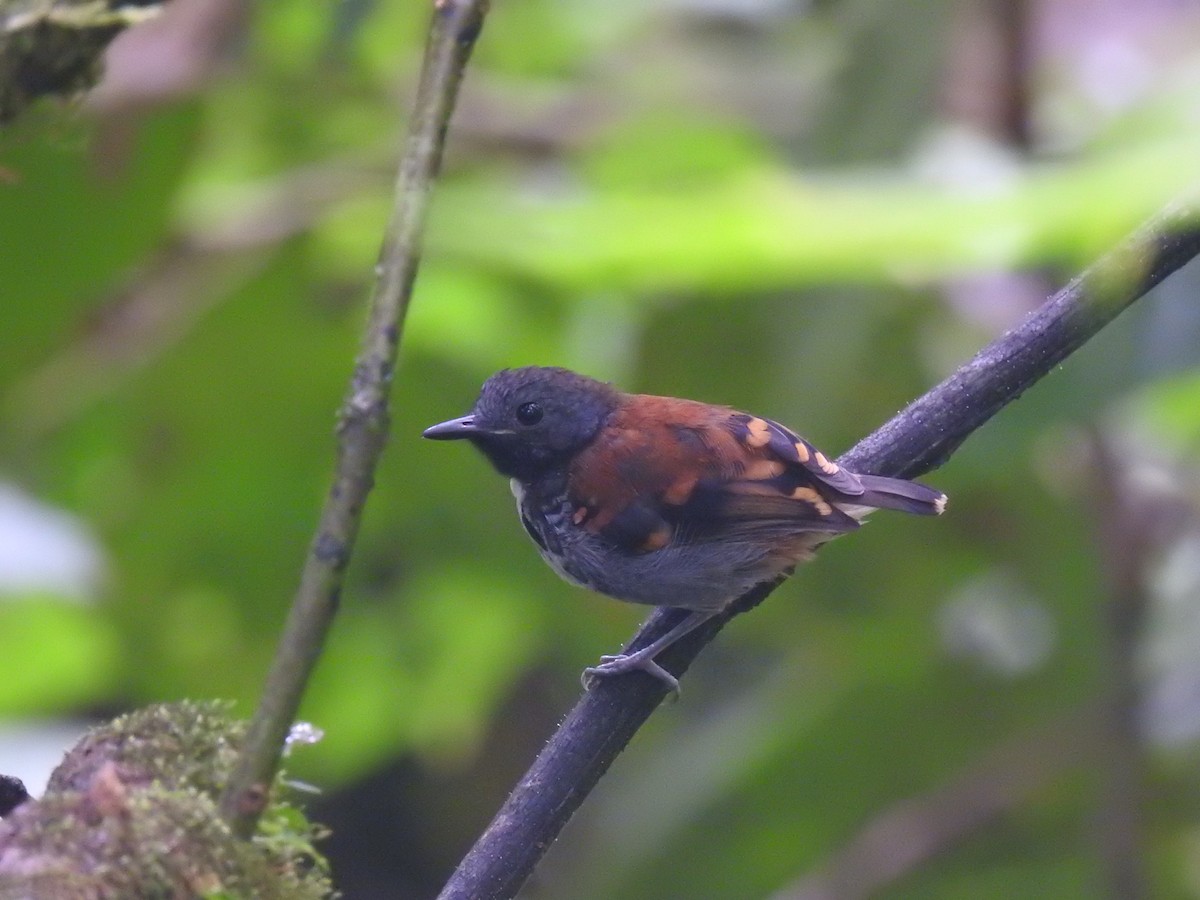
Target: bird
point(661, 500)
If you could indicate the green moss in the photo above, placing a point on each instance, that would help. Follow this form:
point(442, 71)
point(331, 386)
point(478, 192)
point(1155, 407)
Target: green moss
point(132, 811)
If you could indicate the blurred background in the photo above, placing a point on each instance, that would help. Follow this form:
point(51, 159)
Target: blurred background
point(810, 210)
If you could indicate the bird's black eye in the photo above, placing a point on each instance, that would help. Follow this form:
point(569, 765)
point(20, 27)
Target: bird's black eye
point(529, 413)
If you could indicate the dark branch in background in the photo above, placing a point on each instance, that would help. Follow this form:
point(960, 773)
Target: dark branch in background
point(918, 439)
point(914, 831)
point(363, 421)
point(1133, 526)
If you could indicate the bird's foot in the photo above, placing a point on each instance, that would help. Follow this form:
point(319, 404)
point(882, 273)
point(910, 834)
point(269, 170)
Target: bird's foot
point(621, 663)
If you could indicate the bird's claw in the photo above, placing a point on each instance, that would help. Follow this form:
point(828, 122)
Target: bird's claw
point(621, 663)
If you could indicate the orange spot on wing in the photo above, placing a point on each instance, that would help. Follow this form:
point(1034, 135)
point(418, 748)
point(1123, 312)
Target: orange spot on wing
point(802, 451)
point(679, 491)
point(656, 540)
point(580, 515)
point(758, 433)
point(829, 468)
point(808, 495)
point(762, 469)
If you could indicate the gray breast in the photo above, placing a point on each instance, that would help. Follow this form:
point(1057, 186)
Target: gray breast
point(693, 576)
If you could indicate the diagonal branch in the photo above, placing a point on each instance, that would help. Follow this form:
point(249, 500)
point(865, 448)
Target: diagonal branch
point(918, 439)
point(363, 420)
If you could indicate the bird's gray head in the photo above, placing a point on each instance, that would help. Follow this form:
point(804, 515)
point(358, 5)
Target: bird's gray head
point(531, 420)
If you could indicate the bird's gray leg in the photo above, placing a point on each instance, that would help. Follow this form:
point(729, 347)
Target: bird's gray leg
point(643, 660)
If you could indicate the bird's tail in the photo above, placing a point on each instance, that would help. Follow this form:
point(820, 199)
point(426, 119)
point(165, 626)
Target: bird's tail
point(896, 493)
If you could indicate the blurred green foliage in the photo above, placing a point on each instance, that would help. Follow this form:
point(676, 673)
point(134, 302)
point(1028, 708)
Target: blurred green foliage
point(745, 206)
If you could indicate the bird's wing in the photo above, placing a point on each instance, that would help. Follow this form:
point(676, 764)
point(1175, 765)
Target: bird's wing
point(665, 470)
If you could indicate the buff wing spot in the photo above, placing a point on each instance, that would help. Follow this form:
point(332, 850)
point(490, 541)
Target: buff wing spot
point(763, 469)
point(656, 540)
point(680, 491)
point(811, 497)
point(829, 468)
point(758, 433)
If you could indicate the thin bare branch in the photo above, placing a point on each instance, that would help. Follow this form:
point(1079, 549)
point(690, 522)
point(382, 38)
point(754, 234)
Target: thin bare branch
point(364, 419)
